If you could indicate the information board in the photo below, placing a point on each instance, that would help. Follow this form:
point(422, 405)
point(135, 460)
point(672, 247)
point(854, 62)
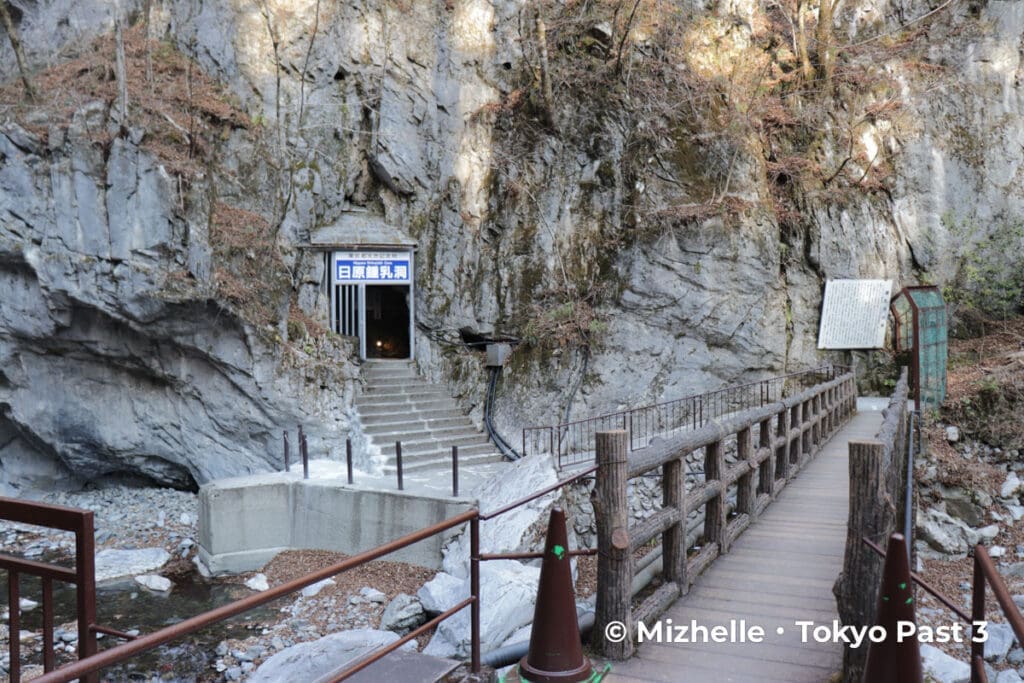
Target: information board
point(854, 314)
point(374, 267)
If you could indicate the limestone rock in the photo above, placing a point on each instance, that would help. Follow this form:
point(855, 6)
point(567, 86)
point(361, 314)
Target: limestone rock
point(944, 533)
point(402, 614)
point(1011, 487)
point(314, 589)
point(942, 668)
point(1008, 676)
point(154, 582)
point(114, 563)
point(952, 433)
point(311, 661)
point(1000, 640)
point(258, 582)
point(441, 592)
point(509, 590)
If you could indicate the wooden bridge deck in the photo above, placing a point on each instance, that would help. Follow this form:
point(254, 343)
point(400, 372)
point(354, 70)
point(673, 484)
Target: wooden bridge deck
point(780, 571)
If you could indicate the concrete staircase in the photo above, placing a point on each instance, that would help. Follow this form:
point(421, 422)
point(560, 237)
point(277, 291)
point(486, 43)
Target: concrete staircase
point(399, 405)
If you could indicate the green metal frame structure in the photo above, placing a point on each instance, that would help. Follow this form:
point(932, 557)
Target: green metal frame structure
point(922, 329)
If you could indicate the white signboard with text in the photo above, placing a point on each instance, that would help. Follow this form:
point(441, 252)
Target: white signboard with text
point(854, 314)
point(372, 267)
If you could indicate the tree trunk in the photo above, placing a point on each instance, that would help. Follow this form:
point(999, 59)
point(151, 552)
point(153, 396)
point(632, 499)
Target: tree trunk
point(122, 71)
point(545, 72)
point(801, 43)
point(824, 38)
point(19, 54)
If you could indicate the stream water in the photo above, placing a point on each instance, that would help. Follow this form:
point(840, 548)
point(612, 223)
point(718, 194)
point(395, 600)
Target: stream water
point(124, 605)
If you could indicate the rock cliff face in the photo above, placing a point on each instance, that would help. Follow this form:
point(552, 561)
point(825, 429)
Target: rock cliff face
point(413, 109)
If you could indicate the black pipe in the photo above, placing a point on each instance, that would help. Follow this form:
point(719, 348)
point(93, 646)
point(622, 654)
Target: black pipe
point(510, 654)
point(503, 446)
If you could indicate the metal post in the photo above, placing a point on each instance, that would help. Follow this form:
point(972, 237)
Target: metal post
point(49, 657)
point(305, 458)
point(398, 462)
point(85, 590)
point(977, 610)
point(287, 466)
point(455, 471)
point(474, 589)
point(14, 621)
point(348, 458)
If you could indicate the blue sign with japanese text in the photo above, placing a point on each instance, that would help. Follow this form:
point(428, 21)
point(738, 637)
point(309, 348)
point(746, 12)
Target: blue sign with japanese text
point(351, 267)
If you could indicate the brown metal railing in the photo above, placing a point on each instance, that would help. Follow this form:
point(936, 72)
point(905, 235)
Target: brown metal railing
point(574, 442)
point(79, 522)
point(984, 573)
point(90, 661)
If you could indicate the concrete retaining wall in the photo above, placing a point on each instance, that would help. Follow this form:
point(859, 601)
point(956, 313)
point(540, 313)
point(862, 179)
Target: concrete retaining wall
point(245, 521)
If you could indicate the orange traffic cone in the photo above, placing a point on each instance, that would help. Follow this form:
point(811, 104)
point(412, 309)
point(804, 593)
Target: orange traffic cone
point(895, 659)
point(555, 655)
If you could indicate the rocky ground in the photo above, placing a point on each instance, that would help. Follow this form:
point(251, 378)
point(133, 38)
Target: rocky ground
point(970, 491)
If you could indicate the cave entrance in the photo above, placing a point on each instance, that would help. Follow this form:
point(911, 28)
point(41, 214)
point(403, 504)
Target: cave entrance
point(387, 321)
point(372, 299)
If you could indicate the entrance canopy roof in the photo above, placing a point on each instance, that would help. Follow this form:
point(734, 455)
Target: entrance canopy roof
point(361, 228)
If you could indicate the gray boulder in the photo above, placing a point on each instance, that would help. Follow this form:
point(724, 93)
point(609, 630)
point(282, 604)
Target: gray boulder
point(509, 590)
point(1000, 640)
point(942, 668)
point(114, 563)
point(311, 661)
point(402, 614)
point(944, 533)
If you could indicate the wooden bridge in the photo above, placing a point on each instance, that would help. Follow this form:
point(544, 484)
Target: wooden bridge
point(774, 501)
point(780, 571)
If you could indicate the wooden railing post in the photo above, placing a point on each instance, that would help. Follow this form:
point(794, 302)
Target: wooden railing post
point(714, 511)
point(767, 475)
point(746, 491)
point(673, 540)
point(782, 451)
point(872, 515)
point(614, 560)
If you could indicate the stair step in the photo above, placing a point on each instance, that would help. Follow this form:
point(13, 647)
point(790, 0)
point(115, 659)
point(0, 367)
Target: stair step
point(416, 433)
point(412, 391)
point(379, 371)
point(440, 453)
point(411, 424)
point(379, 406)
point(407, 416)
point(403, 393)
point(426, 445)
point(444, 463)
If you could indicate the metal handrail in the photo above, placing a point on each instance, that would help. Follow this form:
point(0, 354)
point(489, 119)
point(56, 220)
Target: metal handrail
point(150, 641)
point(696, 409)
point(984, 573)
point(86, 667)
point(83, 577)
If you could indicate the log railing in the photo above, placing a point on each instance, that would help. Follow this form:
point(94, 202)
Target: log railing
point(878, 500)
point(771, 444)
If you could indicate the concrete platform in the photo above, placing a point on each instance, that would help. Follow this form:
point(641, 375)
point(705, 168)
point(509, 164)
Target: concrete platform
point(245, 521)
